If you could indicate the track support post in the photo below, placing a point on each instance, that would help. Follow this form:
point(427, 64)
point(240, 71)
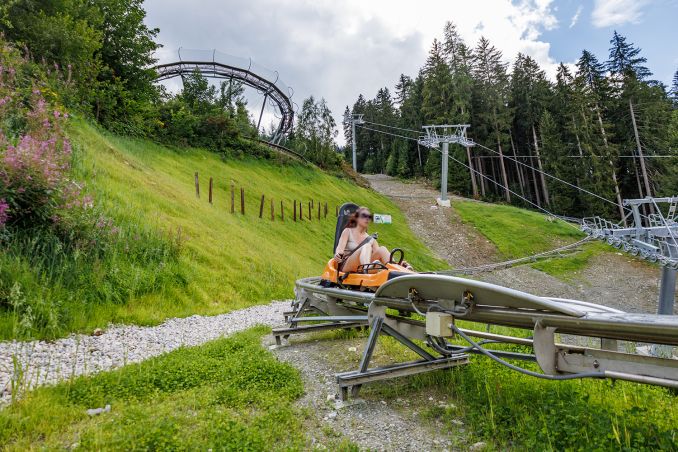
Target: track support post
point(380, 323)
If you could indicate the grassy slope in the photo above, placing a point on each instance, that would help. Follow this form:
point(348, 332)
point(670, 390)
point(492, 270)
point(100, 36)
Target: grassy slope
point(230, 261)
point(518, 233)
point(230, 394)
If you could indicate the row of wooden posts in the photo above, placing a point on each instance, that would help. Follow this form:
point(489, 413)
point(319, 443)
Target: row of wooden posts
point(297, 211)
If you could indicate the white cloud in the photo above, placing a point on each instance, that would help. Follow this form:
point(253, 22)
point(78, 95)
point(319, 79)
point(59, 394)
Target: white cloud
point(338, 49)
point(608, 13)
point(575, 18)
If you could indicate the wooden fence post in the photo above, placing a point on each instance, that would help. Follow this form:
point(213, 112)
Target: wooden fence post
point(261, 207)
point(325, 210)
point(318, 210)
point(282, 211)
point(232, 198)
point(295, 211)
point(197, 185)
point(336, 211)
point(312, 205)
point(301, 211)
point(210, 192)
point(310, 214)
point(242, 200)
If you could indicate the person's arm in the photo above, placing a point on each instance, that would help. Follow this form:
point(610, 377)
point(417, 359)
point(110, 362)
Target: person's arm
point(341, 246)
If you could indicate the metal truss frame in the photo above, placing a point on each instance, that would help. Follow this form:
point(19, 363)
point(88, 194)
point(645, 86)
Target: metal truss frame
point(333, 308)
point(447, 133)
point(247, 76)
point(653, 237)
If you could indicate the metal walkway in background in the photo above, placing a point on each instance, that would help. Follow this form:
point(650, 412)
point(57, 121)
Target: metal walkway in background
point(214, 64)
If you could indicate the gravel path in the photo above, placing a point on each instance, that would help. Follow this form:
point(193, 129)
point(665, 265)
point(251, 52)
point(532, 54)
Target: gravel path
point(374, 423)
point(441, 229)
point(30, 364)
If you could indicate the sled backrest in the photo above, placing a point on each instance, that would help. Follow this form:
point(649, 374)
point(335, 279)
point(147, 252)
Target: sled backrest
point(345, 212)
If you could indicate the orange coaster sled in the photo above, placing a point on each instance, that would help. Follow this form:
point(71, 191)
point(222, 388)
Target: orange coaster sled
point(366, 277)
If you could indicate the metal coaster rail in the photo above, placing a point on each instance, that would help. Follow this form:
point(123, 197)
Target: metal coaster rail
point(222, 66)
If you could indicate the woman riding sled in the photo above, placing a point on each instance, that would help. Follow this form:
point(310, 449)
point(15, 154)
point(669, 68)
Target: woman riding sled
point(358, 245)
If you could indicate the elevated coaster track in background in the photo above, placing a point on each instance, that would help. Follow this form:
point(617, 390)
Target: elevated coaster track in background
point(214, 64)
point(653, 237)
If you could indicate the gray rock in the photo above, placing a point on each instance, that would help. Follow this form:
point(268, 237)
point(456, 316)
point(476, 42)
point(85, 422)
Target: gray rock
point(97, 411)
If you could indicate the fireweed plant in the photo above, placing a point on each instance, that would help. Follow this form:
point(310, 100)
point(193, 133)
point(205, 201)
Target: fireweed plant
point(60, 254)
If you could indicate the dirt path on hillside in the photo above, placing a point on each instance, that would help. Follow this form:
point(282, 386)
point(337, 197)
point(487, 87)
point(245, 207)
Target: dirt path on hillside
point(440, 229)
point(611, 279)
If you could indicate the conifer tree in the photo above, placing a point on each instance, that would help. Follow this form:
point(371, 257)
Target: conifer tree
point(491, 89)
point(596, 92)
point(624, 59)
point(530, 95)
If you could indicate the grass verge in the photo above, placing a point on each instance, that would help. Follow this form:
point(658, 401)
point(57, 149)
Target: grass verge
point(229, 394)
point(508, 410)
point(516, 232)
point(566, 268)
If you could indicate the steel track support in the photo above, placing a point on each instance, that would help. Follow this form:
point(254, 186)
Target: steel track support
point(261, 113)
point(355, 379)
point(443, 173)
point(667, 291)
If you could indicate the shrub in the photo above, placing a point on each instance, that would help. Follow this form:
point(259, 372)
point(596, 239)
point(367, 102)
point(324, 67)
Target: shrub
point(59, 253)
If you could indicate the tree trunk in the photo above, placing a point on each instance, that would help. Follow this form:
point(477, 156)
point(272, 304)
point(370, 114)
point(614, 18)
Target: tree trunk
point(503, 168)
point(535, 184)
point(581, 153)
point(519, 168)
point(482, 178)
point(545, 189)
point(472, 172)
point(474, 186)
point(617, 192)
point(641, 157)
point(493, 168)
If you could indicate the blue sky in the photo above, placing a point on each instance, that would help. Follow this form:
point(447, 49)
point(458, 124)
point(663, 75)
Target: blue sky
point(653, 27)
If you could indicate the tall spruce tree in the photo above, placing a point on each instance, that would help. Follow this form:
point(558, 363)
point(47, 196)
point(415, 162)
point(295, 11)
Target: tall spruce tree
point(491, 116)
point(596, 94)
point(625, 59)
point(530, 95)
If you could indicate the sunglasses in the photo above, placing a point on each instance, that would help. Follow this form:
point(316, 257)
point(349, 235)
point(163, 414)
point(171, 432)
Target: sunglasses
point(367, 216)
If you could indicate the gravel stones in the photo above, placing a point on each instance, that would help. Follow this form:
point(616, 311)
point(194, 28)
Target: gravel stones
point(25, 365)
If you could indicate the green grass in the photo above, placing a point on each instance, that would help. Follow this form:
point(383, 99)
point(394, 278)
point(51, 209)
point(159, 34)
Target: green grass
point(516, 232)
point(229, 394)
point(509, 410)
point(228, 261)
point(566, 268)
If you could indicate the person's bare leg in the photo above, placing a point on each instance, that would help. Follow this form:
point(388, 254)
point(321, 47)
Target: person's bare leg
point(366, 255)
point(383, 254)
point(352, 263)
point(380, 252)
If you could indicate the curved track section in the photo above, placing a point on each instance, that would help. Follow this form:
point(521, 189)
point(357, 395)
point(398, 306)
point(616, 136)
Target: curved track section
point(287, 151)
point(219, 65)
